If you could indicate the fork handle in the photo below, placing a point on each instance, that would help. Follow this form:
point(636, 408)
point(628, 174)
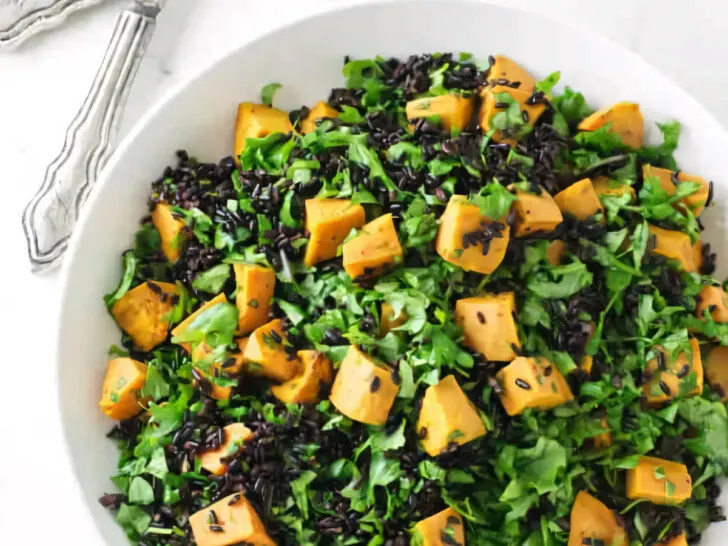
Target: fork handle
point(49, 218)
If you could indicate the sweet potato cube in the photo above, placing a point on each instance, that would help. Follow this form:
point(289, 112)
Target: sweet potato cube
point(172, 231)
point(374, 250)
point(388, 321)
point(183, 326)
point(270, 354)
point(555, 252)
point(453, 110)
point(669, 377)
point(579, 200)
point(329, 221)
point(258, 121)
point(716, 368)
point(536, 212)
point(488, 325)
point(532, 383)
point(320, 110)
point(443, 529)
point(231, 520)
point(592, 521)
point(143, 313)
point(605, 187)
point(461, 219)
point(674, 245)
point(696, 201)
point(364, 389)
point(255, 286)
point(679, 540)
point(212, 460)
point(507, 69)
point(496, 100)
point(603, 440)
point(447, 416)
point(233, 365)
point(659, 481)
point(120, 396)
point(313, 379)
point(626, 122)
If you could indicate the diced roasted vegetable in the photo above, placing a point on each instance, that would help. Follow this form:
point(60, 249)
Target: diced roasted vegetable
point(489, 326)
point(231, 520)
point(659, 481)
point(374, 250)
point(603, 440)
point(453, 111)
point(388, 321)
point(231, 366)
point(258, 121)
point(364, 388)
point(255, 286)
point(462, 219)
point(555, 252)
point(213, 460)
point(144, 311)
point(714, 300)
point(604, 187)
point(320, 110)
point(668, 179)
point(447, 416)
point(716, 369)
point(507, 69)
point(313, 380)
point(670, 377)
point(593, 523)
point(120, 396)
point(536, 212)
point(270, 354)
point(329, 221)
point(443, 529)
point(674, 245)
point(532, 382)
point(625, 119)
point(183, 326)
point(172, 231)
point(579, 200)
point(497, 100)
point(679, 540)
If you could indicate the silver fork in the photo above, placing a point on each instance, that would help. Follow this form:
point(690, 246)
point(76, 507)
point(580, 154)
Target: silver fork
point(49, 218)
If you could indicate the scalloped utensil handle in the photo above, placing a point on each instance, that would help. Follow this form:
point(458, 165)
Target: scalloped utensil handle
point(49, 218)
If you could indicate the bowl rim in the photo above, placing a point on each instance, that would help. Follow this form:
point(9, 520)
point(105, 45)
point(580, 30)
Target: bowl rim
point(179, 88)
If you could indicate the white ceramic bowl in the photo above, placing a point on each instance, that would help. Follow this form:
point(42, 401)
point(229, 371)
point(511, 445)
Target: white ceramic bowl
point(307, 58)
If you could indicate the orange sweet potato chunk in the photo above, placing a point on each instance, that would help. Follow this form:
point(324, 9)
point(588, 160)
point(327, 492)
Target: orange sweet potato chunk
point(255, 287)
point(505, 68)
point(579, 200)
point(313, 379)
point(626, 122)
point(120, 395)
point(267, 353)
point(659, 481)
point(716, 369)
point(667, 376)
point(237, 523)
point(374, 250)
point(320, 110)
point(592, 520)
point(364, 389)
point(182, 327)
point(172, 231)
point(493, 103)
point(453, 110)
point(235, 435)
point(447, 415)
point(696, 201)
point(442, 529)
point(488, 325)
point(460, 219)
point(258, 121)
point(532, 382)
point(329, 221)
point(674, 245)
point(388, 321)
point(143, 313)
point(536, 212)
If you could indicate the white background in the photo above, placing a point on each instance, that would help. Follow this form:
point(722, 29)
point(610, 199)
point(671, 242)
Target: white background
point(43, 83)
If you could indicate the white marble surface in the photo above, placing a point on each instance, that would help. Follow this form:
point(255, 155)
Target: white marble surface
point(43, 83)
